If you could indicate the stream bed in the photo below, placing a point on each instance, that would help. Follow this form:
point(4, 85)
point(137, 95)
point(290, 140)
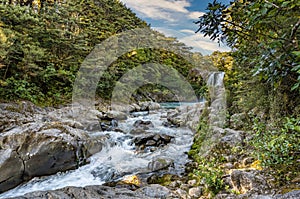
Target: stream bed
point(120, 157)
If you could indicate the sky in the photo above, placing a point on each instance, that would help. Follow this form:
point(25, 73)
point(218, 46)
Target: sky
point(175, 18)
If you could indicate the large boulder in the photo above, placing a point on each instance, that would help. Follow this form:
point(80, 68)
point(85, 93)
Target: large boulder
point(16, 114)
point(145, 125)
point(186, 115)
point(244, 181)
point(117, 115)
point(38, 149)
point(151, 141)
point(160, 163)
point(141, 106)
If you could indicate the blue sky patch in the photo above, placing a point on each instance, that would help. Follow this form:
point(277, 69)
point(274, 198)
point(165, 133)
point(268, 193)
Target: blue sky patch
point(175, 18)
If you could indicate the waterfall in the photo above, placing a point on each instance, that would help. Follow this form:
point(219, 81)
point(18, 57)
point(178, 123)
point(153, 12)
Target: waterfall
point(218, 99)
point(215, 79)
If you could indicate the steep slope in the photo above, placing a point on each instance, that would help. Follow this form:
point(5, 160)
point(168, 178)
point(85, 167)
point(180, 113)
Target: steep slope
point(44, 43)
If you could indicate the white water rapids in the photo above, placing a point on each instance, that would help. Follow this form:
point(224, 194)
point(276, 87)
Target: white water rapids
point(118, 158)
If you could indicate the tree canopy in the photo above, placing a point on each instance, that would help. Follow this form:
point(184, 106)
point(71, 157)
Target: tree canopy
point(44, 42)
point(264, 37)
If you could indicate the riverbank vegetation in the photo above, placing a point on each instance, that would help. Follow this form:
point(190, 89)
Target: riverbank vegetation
point(262, 84)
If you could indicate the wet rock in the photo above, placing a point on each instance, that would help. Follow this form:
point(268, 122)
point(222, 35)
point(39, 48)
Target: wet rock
point(117, 115)
point(159, 164)
point(141, 106)
point(165, 138)
point(143, 124)
point(140, 113)
point(146, 106)
point(110, 125)
point(174, 118)
point(156, 137)
point(151, 140)
point(38, 149)
point(92, 126)
point(186, 115)
point(169, 125)
point(138, 131)
point(91, 192)
point(76, 117)
point(105, 126)
point(151, 143)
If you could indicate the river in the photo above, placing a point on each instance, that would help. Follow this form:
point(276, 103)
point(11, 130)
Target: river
point(120, 157)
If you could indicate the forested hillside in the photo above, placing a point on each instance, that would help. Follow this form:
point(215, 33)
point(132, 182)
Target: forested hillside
point(43, 44)
point(262, 80)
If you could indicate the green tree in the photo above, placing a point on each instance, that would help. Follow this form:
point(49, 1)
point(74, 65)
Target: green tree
point(264, 37)
point(44, 42)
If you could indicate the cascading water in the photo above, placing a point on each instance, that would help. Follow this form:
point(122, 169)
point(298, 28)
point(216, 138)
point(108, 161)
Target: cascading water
point(218, 99)
point(118, 157)
point(216, 79)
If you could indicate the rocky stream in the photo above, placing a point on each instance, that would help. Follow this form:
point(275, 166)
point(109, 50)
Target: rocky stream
point(44, 153)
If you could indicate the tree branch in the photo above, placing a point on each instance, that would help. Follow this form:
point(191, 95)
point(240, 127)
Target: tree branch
point(293, 33)
point(276, 6)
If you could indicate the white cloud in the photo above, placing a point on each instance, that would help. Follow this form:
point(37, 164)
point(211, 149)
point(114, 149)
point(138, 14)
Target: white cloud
point(195, 15)
point(203, 44)
point(187, 31)
point(197, 41)
point(159, 9)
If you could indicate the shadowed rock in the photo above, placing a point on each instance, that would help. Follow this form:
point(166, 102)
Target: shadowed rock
point(39, 149)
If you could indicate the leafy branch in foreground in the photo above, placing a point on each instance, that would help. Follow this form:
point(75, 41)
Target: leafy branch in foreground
point(264, 36)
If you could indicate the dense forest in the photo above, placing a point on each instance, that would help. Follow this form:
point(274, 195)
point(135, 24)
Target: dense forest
point(44, 43)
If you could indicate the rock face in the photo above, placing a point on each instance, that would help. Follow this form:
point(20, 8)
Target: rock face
point(16, 114)
point(186, 116)
point(37, 142)
point(42, 149)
